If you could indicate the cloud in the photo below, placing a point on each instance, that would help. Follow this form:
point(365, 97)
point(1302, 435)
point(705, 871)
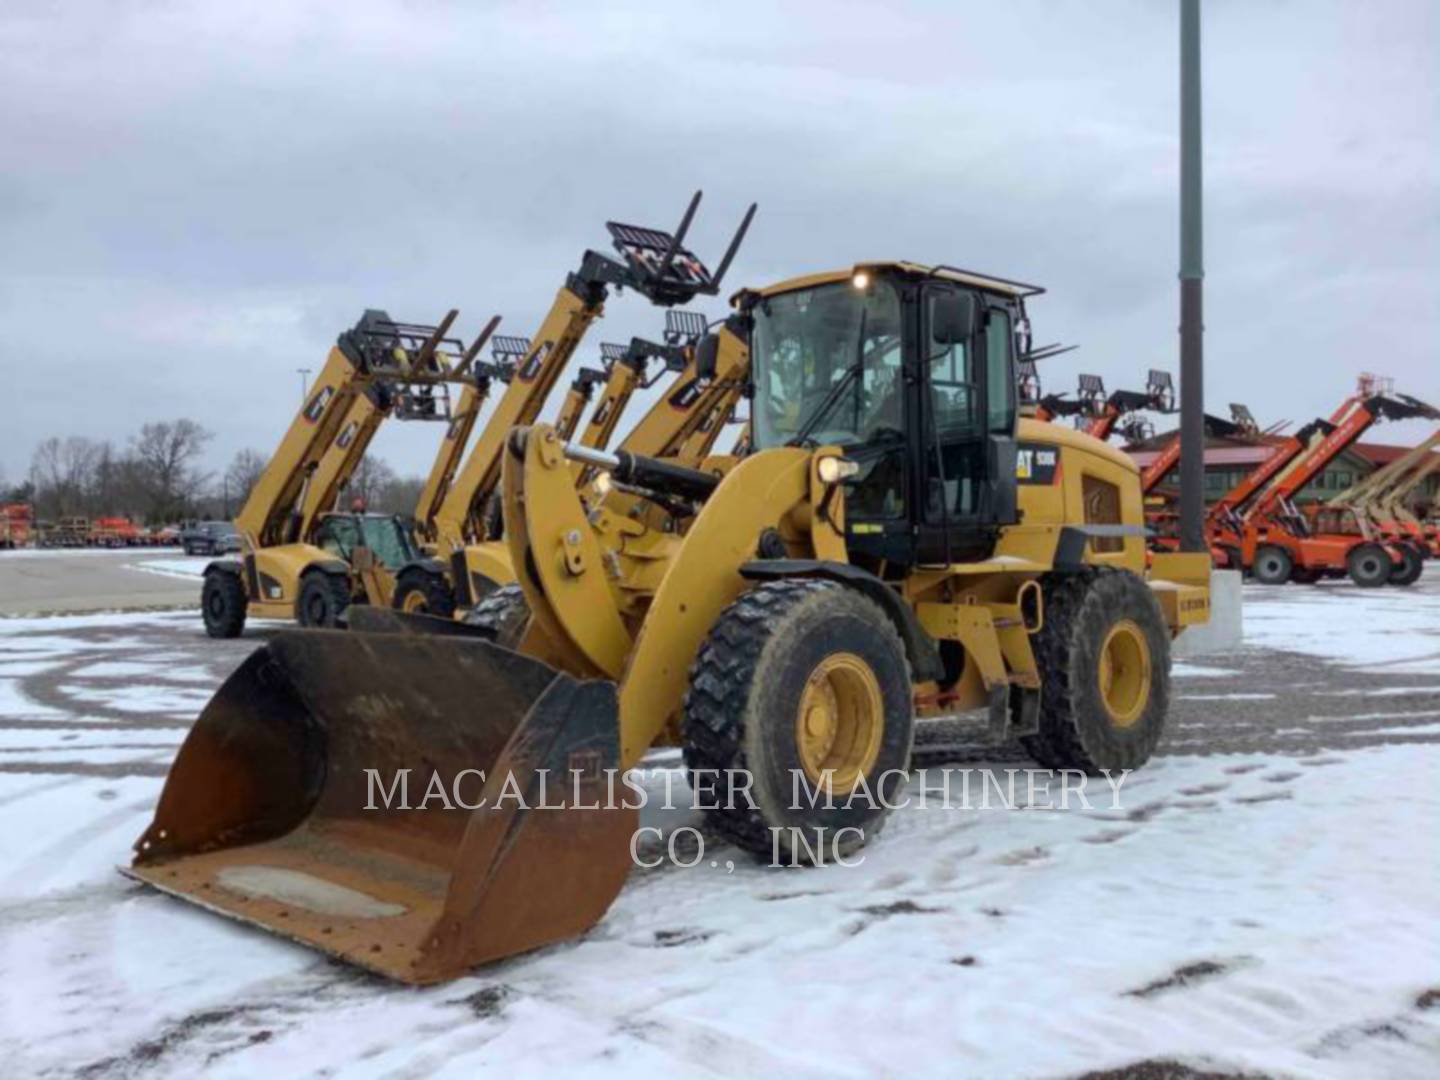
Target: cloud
point(199, 197)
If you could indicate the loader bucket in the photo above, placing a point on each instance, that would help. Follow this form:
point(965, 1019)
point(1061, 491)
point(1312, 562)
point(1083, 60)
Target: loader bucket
point(283, 808)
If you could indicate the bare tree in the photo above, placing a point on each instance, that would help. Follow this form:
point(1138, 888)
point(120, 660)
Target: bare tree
point(242, 475)
point(399, 496)
point(369, 480)
point(165, 453)
point(63, 472)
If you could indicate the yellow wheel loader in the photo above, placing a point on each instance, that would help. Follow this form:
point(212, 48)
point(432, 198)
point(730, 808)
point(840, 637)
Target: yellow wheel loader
point(303, 558)
point(896, 545)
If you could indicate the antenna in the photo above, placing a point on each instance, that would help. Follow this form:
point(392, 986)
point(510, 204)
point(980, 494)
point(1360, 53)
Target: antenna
point(1045, 352)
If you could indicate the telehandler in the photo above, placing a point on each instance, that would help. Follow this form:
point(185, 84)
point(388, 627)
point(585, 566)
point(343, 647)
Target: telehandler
point(897, 545)
point(304, 558)
point(1277, 543)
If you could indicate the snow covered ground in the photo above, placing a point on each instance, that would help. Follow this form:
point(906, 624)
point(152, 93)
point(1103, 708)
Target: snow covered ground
point(180, 566)
point(1265, 898)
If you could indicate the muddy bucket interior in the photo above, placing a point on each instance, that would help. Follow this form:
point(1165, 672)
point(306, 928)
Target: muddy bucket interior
point(413, 803)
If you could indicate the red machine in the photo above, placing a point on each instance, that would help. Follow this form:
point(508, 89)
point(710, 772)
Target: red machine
point(1278, 543)
point(17, 525)
point(115, 532)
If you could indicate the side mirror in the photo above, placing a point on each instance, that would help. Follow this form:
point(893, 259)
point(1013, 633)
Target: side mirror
point(707, 351)
point(953, 318)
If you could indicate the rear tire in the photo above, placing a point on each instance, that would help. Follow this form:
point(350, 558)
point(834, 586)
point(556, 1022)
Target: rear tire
point(423, 592)
point(323, 599)
point(1409, 569)
point(1272, 565)
point(1368, 565)
point(504, 612)
point(222, 604)
point(1104, 658)
point(796, 680)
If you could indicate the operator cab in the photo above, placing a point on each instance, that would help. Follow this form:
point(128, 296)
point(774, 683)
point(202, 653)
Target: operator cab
point(384, 534)
point(911, 370)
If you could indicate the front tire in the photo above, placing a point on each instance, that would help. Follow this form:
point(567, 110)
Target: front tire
point(1272, 565)
point(423, 592)
point(1368, 565)
point(801, 688)
point(323, 599)
point(222, 605)
point(1104, 658)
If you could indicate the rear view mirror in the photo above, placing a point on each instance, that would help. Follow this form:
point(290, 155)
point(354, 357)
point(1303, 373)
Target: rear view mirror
point(953, 318)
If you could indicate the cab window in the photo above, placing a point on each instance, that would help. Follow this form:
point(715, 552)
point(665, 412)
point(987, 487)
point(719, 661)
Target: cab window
point(1000, 392)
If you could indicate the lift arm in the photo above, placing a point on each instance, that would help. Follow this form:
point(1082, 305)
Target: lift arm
point(457, 434)
point(653, 263)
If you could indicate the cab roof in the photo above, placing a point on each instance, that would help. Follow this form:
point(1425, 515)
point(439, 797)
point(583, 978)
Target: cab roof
point(984, 282)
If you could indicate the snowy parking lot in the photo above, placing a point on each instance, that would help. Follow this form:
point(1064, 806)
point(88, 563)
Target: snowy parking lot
point(1265, 897)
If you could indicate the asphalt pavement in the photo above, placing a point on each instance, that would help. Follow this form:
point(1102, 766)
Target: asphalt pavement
point(71, 582)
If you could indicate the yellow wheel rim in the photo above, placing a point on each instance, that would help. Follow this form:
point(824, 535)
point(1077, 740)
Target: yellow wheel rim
point(1125, 673)
point(414, 603)
point(840, 722)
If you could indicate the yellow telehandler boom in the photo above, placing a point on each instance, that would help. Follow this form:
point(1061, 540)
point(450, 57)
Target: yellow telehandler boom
point(457, 436)
point(303, 559)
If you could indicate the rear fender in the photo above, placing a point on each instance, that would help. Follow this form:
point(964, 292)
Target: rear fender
point(426, 565)
point(920, 647)
point(283, 566)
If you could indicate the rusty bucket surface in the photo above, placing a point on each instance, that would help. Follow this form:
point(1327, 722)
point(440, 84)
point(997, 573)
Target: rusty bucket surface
point(275, 810)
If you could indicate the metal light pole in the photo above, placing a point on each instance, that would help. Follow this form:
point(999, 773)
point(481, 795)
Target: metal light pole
point(304, 383)
point(1192, 282)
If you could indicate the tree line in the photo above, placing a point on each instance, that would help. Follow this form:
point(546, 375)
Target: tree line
point(157, 477)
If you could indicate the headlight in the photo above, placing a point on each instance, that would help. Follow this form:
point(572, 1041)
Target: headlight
point(832, 470)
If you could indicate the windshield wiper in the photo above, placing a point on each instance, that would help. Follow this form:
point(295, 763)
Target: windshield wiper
point(828, 402)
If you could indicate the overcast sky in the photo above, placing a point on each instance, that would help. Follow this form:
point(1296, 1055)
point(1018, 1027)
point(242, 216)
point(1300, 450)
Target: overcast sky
point(196, 198)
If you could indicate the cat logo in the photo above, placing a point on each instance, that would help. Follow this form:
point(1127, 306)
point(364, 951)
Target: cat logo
point(534, 362)
point(1036, 463)
point(686, 396)
point(348, 435)
point(318, 403)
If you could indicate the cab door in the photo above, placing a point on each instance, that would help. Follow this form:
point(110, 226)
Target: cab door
point(966, 434)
